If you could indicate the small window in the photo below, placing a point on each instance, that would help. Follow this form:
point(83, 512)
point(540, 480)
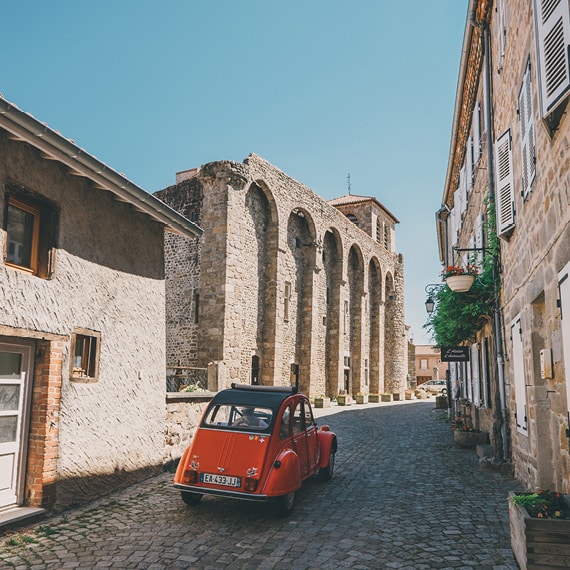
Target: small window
point(378, 230)
point(286, 301)
point(30, 226)
point(352, 218)
point(298, 419)
point(22, 227)
point(285, 426)
point(85, 347)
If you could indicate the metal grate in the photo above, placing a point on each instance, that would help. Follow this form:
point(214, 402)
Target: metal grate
point(178, 377)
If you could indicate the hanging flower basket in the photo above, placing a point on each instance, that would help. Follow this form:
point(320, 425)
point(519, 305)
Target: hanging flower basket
point(460, 279)
point(460, 283)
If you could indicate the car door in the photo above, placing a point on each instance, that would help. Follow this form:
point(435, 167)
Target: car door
point(312, 441)
point(299, 441)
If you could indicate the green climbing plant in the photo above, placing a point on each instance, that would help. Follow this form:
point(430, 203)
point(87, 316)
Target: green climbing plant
point(457, 317)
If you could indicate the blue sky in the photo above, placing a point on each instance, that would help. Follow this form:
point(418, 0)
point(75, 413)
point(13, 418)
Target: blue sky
point(320, 88)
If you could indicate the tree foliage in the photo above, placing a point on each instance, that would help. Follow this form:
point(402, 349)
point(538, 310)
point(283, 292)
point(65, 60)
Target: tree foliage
point(458, 316)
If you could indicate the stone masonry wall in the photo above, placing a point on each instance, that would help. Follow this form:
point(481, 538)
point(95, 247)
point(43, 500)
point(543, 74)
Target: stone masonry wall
point(532, 257)
point(274, 279)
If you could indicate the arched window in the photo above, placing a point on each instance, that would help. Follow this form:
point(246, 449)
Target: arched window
point(352, 218)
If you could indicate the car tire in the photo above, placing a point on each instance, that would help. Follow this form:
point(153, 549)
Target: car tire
point(191, 499)
point(285, 504)
point(325, 473)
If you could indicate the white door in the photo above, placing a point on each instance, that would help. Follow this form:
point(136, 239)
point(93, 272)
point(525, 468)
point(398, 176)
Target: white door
point(15, 379)
point(564, 288)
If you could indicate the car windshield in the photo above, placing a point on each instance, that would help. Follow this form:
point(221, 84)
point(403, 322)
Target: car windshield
point(232, 416)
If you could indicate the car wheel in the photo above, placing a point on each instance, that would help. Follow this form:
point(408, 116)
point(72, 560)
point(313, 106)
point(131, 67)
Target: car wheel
point(325, 473)
point(285, 504)
point(191, 498)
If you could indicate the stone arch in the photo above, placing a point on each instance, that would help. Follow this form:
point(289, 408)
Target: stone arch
point(353, 341)
point(262, 240)
point(376, 327)
point(332, 261)
point(390, 352)
point(302, 247)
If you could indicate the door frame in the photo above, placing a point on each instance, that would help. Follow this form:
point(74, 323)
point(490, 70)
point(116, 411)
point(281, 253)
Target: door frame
point(27, 348)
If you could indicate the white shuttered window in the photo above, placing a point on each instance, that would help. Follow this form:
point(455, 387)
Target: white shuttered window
point(564, 291)
point(504, 183)
point(526, 119)
point(552, 22)
point(518, 373)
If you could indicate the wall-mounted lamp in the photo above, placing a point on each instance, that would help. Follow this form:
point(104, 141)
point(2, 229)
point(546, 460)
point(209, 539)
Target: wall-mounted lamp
point(431, 291)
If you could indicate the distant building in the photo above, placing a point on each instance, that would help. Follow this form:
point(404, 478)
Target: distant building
point(428, 363)
point(282, 280)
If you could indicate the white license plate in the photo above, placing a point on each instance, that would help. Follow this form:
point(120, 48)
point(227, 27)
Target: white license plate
point(223, 480)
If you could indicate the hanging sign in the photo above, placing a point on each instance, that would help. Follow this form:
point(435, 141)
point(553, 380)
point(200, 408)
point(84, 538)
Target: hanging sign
point(455, 354)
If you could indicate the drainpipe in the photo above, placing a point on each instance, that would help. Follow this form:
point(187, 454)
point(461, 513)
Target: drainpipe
point(491, 194)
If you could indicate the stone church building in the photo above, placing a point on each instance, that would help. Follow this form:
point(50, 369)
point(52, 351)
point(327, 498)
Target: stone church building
point(283, 282)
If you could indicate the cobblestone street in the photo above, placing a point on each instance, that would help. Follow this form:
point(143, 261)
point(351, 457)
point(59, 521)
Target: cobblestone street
point(402, 496)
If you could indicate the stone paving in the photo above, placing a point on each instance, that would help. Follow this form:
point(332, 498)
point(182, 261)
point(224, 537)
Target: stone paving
point(402, 497)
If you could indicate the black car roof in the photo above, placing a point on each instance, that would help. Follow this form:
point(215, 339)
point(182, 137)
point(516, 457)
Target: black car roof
point(243, 394)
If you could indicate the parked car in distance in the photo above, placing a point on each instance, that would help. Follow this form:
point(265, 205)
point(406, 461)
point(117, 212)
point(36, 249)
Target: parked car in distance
point(434, 386)
point(256, 443)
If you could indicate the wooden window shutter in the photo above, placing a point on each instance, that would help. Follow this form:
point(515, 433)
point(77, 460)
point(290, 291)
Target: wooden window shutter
point(552, 21)
point(519, 376)
point(502, 32)
point(526, 118)
point(477, 132)
point(564, 293)
point(505, 183)
point(469, 164)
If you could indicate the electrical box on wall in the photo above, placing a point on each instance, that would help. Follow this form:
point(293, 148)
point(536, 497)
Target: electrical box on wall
point(546, 363)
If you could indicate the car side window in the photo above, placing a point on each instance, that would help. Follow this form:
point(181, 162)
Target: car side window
point(309, 420)
point(285, 426)
point(298, 419)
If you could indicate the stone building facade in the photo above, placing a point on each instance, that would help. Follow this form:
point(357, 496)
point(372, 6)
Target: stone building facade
point(428, 364)
point(509, 148)
point(281, 280)
point(82, 361)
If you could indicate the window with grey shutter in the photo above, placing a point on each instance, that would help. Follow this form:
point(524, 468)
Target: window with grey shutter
point(526, 119)
point(502, 33)
point(552, 22)
point(469, 170)
point(504, 184)
point(519, 376)
point(477, 148)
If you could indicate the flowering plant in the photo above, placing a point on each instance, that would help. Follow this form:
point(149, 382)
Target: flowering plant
point(543, 504)
point(452, 270)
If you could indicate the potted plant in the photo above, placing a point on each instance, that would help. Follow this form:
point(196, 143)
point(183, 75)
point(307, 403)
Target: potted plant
point(322, 402)
point(374, 398)
point(386, 397)
point(460, 279)
point(361, 398)
point(540, 529)
point(344, 400)
point(467, 437)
